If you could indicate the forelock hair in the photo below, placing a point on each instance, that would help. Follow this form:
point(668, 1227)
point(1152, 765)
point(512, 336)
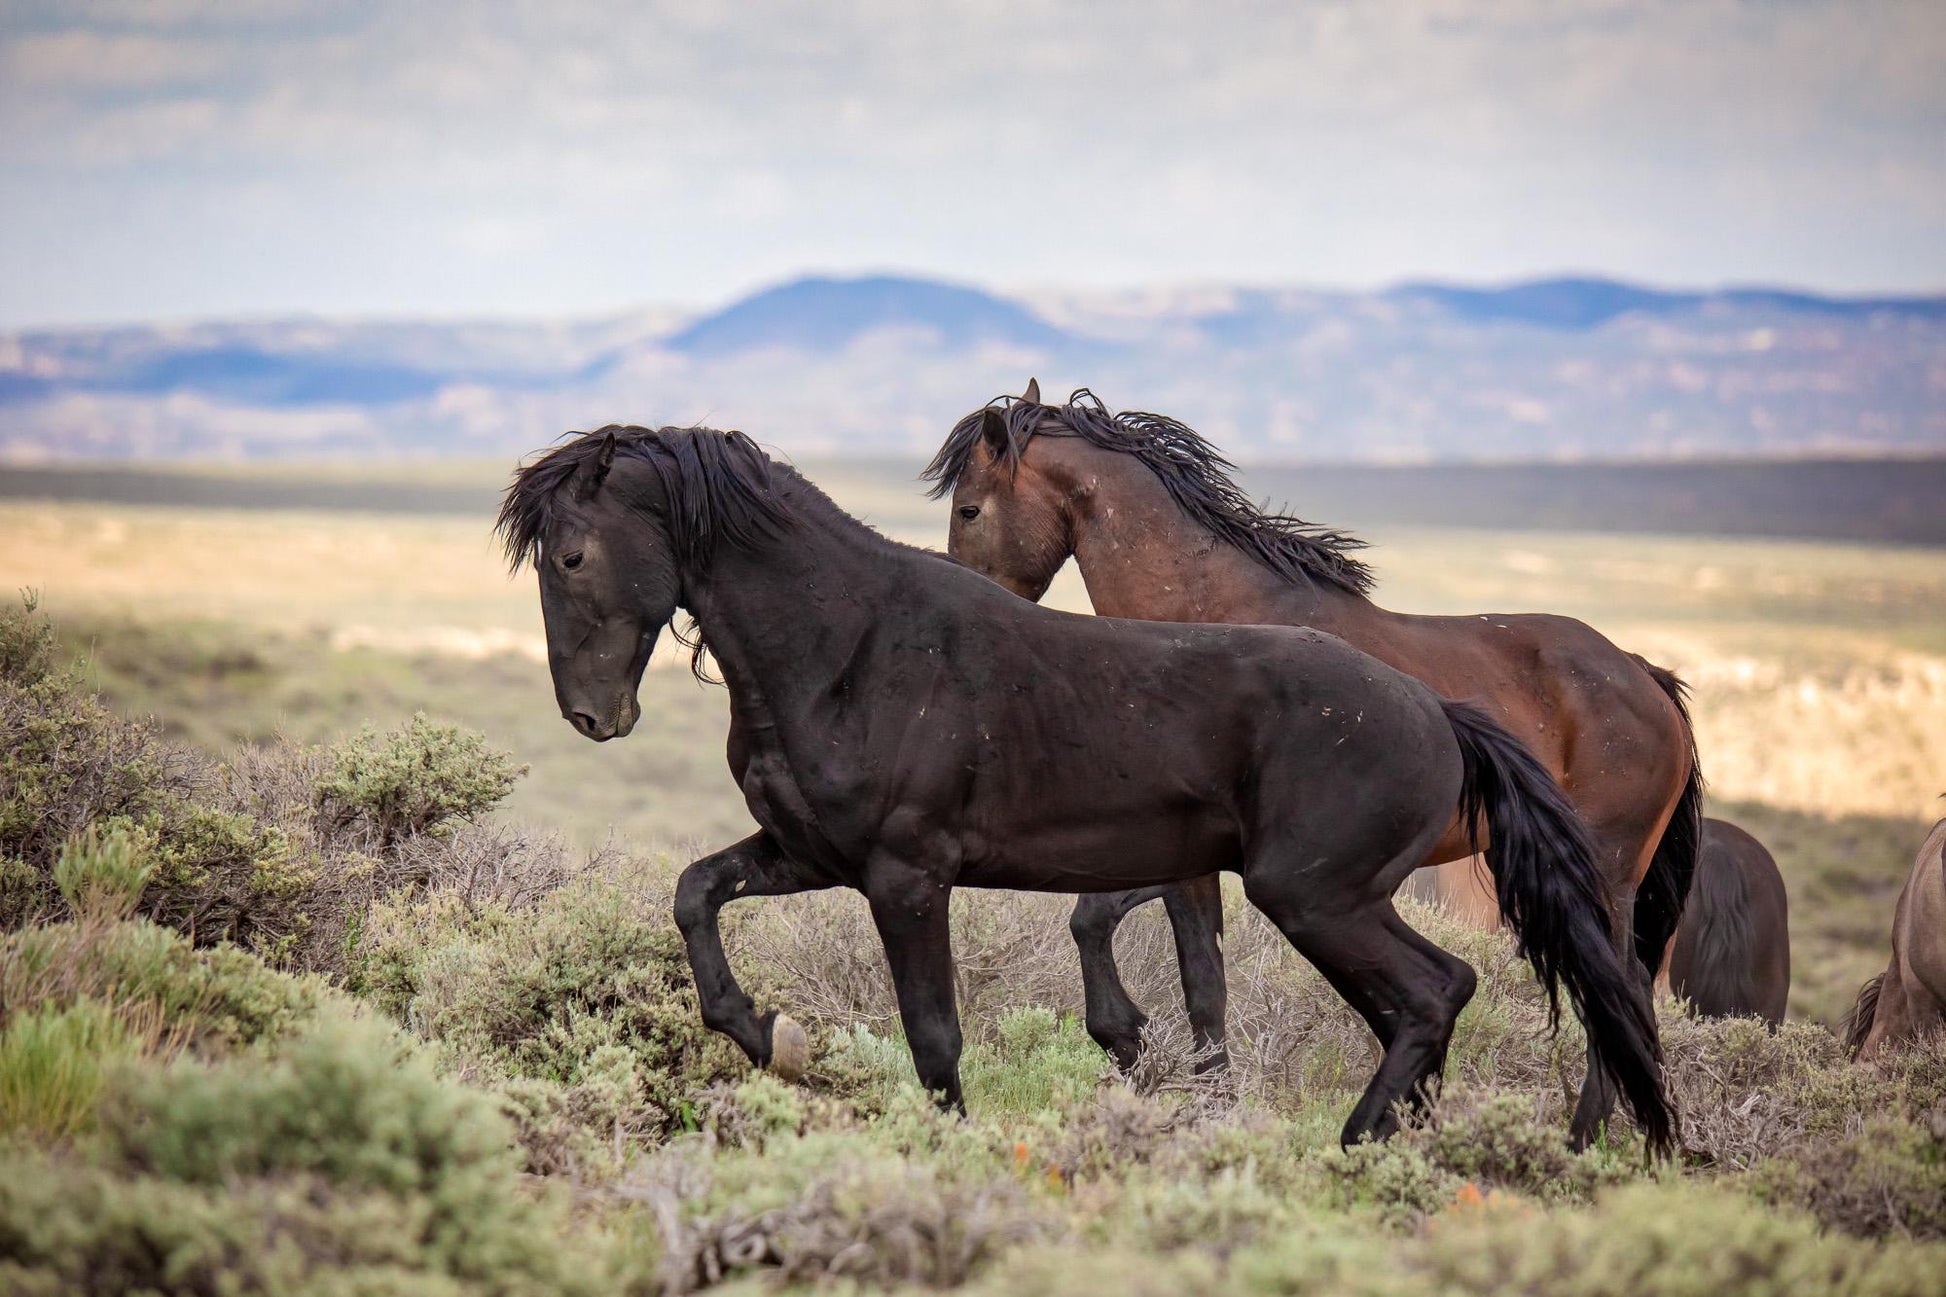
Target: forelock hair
point(717, 485)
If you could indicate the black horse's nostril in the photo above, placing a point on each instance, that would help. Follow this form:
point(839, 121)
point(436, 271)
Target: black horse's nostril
point(583, 722)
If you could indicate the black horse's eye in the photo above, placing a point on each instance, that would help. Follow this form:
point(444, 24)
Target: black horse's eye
point(969, 511)
point(571, 562)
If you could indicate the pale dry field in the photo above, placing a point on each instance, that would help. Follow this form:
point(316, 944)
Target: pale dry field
point(1819, 670)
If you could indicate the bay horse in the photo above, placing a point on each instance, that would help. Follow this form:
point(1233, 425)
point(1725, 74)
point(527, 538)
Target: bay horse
point(902, 726)
point(1159, 530)
point(1908, 1000)
point(1732, 954)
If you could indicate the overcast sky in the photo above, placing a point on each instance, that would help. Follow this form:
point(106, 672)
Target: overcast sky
point(178, 159)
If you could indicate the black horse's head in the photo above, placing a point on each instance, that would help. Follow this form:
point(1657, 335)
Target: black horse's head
point(613, 521)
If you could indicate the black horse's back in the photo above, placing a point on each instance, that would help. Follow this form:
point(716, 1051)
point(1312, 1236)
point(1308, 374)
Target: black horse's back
point(1550, 893)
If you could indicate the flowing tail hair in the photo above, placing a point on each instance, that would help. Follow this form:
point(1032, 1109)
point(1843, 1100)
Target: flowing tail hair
point(1551, 896)
point(1659, 901)
point(1859, 1024)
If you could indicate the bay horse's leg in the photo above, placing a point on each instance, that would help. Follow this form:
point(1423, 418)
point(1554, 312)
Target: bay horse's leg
point(1409, 991)
point(755, 866)
point(911, 909)
point(1114, 1020)
point(1196, 915)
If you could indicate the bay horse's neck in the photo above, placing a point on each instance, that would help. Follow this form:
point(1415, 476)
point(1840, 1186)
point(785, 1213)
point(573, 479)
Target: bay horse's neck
point(1141, 556)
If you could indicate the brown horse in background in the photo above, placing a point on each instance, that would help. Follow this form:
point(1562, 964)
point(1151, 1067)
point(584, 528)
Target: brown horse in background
point(1908, 999)
point(1160, 531)
point(1732, 954)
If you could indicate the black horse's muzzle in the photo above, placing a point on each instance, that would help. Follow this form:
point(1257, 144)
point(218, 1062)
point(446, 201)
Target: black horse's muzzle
point(616, 724)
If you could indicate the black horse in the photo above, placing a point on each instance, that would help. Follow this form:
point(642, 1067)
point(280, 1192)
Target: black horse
point(903, 726)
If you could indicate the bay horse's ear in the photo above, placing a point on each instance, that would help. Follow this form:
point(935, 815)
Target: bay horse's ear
point(1032, 395)
point(604, 460)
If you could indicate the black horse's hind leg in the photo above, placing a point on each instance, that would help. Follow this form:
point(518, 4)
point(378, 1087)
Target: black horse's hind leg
point(752, 867)
point(1114, 1020)
point(1196, 915)
point(1409, 991)
point(911, 910)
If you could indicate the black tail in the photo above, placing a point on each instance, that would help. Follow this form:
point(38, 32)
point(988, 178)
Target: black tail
point(1659, 901)
point(1551, 896)
point(1859, 1024)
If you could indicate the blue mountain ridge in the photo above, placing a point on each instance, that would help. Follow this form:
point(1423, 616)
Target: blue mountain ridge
point(821, 315)
point(1587, 303)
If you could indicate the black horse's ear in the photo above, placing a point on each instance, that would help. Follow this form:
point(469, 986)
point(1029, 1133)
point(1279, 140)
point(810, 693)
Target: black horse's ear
point(1032, 395)
point(604, 460)
point(993, 431)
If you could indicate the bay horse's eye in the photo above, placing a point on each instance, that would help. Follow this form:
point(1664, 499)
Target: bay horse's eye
point(571, 562)
point(969, 511)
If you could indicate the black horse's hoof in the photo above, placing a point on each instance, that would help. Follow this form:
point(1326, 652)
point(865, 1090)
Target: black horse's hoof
point(790, 1048)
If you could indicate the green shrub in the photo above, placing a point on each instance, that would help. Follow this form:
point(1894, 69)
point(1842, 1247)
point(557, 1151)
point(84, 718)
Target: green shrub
point(342, 1164)
point(587, 988)
point(415, 779)
point(52, 1065)
point(101, 875)
point(1501, 1141)
point(1890, 1178)
point(67, 762)
point(1399, 1180)
point(28, 646)
point(216, 999)
point(1486, 1140)
point(70, 767)
point(1658, 1240)
point(221, 876)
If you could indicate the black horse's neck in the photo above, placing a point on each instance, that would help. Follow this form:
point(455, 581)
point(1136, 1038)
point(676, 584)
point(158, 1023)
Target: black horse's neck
point(784, 616)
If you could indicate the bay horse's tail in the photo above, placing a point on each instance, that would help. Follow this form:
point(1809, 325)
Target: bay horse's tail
point(1664, 891)
point(1550, 891)
point(1859, 1024)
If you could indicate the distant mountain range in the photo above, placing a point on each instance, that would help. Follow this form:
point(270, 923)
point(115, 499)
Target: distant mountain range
point(1555, 369)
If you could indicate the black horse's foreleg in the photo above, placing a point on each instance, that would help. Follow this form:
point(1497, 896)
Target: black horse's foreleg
point(755, 866)
point(1114, 1020)
point(911, 910)
point(1196, 914)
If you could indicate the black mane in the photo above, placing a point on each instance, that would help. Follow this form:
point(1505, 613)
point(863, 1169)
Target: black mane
point(718, 482)
point(1195, 473)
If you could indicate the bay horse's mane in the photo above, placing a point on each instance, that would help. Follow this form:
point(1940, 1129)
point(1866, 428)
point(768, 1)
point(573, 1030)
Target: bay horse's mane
point(720, 485)
point(1196, 475)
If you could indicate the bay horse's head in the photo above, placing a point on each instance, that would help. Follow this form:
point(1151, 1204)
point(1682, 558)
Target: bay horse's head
point(1012, 521)
point(1025, 478)
point(614, 521)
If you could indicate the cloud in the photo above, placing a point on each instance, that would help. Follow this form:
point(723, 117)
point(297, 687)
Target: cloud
point(687, 150)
